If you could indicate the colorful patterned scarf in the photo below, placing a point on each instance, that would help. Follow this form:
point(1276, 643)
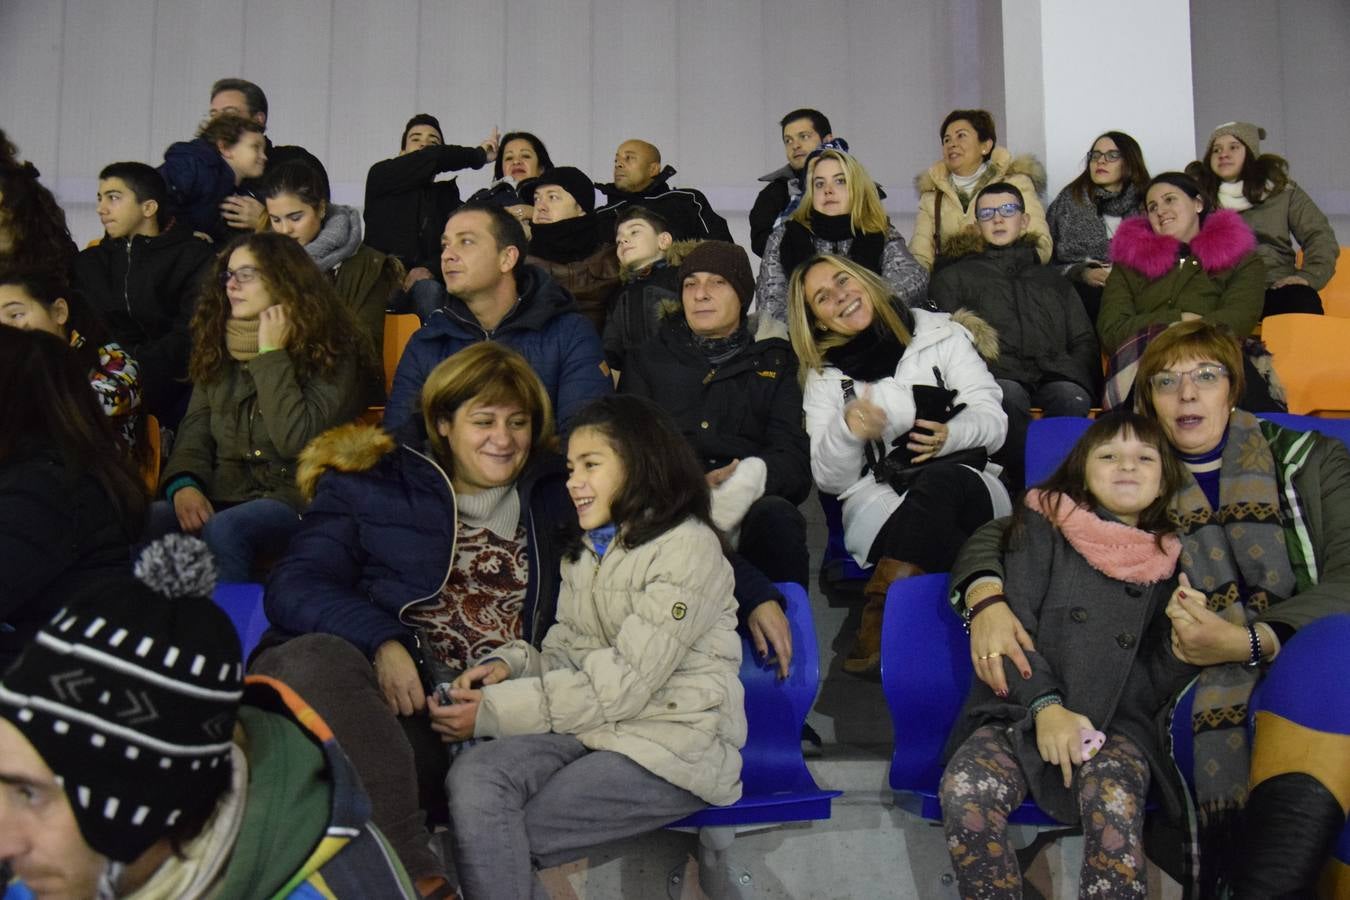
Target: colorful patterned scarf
point(1238, 556)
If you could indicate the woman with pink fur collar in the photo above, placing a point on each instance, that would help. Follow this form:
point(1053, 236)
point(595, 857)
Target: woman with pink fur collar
point(1184, 261)
point(1088, 566)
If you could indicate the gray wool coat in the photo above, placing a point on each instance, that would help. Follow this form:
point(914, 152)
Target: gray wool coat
point(1101, 644)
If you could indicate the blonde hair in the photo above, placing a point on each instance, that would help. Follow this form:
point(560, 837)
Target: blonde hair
point(865, 211)
point(809, 338)
point(488, 373)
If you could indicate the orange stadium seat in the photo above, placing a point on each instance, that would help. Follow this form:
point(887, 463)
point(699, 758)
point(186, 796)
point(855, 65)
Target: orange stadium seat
point(1311, 360)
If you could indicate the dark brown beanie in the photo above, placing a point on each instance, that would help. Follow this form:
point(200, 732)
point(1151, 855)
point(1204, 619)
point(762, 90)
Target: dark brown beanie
point(727, 260)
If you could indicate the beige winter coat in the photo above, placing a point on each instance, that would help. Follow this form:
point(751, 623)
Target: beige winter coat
point(1024, 172)
point(644, 660)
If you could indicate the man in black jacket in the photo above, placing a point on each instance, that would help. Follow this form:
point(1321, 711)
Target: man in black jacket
point(803, 131)
point(730, 382)
point(144, 282)
point(640, 179)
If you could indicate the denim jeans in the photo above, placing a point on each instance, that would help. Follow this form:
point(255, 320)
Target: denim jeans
point(237, 535)
point(1055, 398)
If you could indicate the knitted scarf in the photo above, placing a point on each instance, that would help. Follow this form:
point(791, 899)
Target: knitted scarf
point(241, 338)
point(1231, 196)
point(799, 241)
point(338, 238)
point(1080, 233)
point(718, 350)
point(872, 354)
point(1238, 556)
point(1115, 549)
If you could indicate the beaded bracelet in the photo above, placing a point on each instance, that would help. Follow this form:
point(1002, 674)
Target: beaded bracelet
point(1254, 637)
point(1044, 701)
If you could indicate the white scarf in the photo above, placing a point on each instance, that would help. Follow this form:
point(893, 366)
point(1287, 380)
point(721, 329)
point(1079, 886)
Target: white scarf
point(1231, 196)
point(964, 183)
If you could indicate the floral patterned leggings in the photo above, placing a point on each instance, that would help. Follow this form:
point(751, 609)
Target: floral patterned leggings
point(983, 784)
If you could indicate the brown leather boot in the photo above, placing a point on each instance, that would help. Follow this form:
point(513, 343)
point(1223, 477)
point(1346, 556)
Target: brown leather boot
point(865, 657)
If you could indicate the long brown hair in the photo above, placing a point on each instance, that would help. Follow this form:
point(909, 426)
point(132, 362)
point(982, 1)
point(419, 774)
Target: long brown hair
point(34, 219)
point(323, 329)
point(1261, 176)
point(45, 402)
point(1136, 172)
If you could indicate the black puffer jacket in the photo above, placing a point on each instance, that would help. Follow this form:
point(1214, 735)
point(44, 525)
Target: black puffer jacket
point(748, 406)
point(57, 530)
point(1043, 331)
point(145, 288)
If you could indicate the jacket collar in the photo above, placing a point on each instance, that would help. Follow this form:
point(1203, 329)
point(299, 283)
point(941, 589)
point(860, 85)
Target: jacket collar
point(1223, 242)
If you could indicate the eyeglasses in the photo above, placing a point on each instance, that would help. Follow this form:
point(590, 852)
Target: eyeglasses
point(1007, 211)
point(242, 275)
point(1108, 155)
point(1205, 378)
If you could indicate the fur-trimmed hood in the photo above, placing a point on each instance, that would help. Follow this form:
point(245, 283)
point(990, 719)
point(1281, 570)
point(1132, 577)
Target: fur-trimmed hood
point(983, 335)
point(1001, 161)
point(1223, 242)
point(355, 447)
point(970, 241)
point(675, 255)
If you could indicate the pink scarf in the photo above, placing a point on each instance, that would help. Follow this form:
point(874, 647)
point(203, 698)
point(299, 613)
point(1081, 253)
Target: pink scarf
point(1115, 549)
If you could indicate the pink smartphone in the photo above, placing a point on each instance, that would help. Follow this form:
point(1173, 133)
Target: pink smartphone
point(1092, 742)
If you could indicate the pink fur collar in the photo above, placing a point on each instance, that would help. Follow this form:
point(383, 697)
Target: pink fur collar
point(1113, 548)
point(1223, 242)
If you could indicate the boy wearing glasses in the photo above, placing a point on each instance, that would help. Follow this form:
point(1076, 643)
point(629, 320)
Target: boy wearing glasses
point(1048, 354)
point(142, 278)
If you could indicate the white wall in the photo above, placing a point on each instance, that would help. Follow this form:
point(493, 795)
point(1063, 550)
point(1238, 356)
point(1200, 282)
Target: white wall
point(86, 82)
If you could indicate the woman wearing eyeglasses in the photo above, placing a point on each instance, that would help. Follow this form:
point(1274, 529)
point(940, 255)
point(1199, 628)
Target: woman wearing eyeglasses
point(277, 359)
point(1183, 261)
point(1264, 519)
point(1086, 214)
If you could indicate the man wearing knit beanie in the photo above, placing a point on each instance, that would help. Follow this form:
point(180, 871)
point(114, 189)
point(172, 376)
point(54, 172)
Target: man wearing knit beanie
point(134, 758)
point(729, 379)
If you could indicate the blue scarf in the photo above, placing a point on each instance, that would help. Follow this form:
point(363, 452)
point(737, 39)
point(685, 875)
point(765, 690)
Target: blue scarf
point(602, 537)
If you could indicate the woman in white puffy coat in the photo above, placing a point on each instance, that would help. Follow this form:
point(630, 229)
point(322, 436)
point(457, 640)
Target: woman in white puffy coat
point(904, 392)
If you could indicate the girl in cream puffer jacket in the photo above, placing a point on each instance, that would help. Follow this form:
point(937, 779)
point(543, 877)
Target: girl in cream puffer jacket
point(632, 716)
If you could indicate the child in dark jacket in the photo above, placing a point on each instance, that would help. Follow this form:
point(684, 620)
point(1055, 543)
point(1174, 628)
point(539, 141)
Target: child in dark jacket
point(202, 172)
point(651, 276)
point(1089, 561)
point(142, 278)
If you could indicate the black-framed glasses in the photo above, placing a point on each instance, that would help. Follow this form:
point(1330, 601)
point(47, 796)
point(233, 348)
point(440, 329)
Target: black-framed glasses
point(1006, 210)
point(1205, 378)
point(1108, 155)
point(242, 275)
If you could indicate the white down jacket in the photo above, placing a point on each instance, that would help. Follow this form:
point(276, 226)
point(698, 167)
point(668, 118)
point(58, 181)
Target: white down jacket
point(837, 457)
point(644, 660)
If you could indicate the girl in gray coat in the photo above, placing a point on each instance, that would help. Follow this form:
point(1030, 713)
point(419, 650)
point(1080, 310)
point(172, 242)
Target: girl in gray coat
point(1089, 560)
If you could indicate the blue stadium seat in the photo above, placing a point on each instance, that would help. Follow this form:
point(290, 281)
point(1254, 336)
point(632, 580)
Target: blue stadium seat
point(1049, 440)
point(838, 564)
point(243, 603)
point(925, 676)
point(777, 785)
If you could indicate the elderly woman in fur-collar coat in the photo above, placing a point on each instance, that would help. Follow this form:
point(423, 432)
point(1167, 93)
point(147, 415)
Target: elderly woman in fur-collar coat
point(1184, 261)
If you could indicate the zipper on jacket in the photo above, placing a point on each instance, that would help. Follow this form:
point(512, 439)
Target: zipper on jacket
point(454, 538)
point(126, 280)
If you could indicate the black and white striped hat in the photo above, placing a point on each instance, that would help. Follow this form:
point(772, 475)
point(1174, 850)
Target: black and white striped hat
point(130, 695)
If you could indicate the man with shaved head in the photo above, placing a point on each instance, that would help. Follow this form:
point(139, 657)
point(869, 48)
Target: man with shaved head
point(640, 179)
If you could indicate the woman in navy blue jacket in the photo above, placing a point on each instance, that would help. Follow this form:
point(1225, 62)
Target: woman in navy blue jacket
point(411, 562)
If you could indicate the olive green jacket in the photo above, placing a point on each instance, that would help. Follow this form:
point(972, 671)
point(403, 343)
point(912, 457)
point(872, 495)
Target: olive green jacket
point(1291, 215)
point(243, 431)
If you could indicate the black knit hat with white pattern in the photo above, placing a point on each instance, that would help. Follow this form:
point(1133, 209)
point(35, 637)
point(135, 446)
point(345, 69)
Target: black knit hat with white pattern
point(130, 694)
